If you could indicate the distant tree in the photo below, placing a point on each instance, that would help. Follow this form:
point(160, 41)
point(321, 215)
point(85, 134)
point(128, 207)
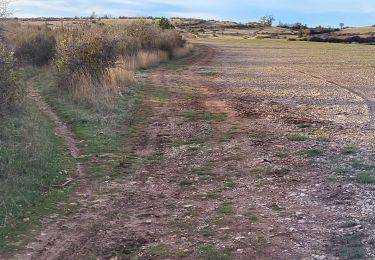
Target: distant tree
point(164, 23)
point(266, 20)
point(342, 25)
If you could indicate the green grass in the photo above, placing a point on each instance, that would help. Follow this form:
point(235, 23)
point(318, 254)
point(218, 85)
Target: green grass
point(32, 160)
point(362, 166)
point(298, 138)
point(210, 252)
point(310, 153)
point(102, 129)
point(230, 184)
point(204, 116)
point(207, 231)
point(349, 150)
point(214, 194)
point(365, 178)
point(225, 209)
point(350, 246)
point(343, 171)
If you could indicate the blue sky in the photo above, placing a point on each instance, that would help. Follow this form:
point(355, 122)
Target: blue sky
point(312, 12)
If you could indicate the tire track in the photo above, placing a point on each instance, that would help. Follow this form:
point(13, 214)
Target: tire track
point(370, 125)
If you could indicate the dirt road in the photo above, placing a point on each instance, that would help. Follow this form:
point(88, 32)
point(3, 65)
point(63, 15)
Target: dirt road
point(252, 151)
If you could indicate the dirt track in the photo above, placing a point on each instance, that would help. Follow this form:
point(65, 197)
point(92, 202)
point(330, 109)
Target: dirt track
point(240, 183)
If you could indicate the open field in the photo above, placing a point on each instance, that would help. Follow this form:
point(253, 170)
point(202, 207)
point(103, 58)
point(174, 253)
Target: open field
point(245, 149)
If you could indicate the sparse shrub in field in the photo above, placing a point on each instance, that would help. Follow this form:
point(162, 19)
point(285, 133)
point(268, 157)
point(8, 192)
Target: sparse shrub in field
point(38, 50)
point(10, 88)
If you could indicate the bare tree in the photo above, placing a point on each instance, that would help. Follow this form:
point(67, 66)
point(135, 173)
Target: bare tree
point(4, 8)
point(266, 20)
point(342, 25)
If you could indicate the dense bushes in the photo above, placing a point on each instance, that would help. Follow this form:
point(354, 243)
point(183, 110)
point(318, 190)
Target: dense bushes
point(352, 39)
point(10, 88)
point(38, 50)
point(88, 57)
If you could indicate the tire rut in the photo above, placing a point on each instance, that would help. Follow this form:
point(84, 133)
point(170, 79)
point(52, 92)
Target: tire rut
point(370, 104)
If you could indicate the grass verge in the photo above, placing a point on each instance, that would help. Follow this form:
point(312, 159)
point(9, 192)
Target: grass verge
point(32, 160)
point(106, 133)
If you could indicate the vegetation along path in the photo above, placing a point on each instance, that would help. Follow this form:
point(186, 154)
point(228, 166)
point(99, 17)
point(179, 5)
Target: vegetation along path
point(235, 154)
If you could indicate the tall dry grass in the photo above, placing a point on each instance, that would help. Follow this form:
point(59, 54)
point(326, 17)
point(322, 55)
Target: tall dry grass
point(103, 90)
point(182, 51)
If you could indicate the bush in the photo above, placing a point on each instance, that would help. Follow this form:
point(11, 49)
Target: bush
point(88, 52)
point(85, 55)
point(164, 24)
point(10, 88)
point(38, 50)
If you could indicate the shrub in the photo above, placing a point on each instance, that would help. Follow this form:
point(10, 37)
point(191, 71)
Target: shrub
point(164, 24)
point(38, 50)
point(168, 41)
point(85, 52)
point(87, 56)
point(10, 88)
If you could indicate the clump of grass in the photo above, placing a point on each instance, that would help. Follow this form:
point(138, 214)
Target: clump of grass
point(225, 209)
point(349, 150)
point(159, 250)
point(214, 194)
point(312, 153)
point(351, 246)
point(230, 184)
point(232, 158)
point(207, 231)
point(210, 252)
point(228, 136)
point(297, 138)
point(186, 183)
point(362, 166)
point(251, 216)
point(156, 157)
point(208, 73)
point(354, 252)
point(204, 116)
point(342, 171)
point(365, 178)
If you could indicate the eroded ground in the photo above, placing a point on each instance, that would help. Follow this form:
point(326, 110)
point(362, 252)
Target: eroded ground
point(261, 150)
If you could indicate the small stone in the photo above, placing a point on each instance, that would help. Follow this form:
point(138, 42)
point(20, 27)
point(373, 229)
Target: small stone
point(188, 206)
point(148, 221)
point(26, 219)
point(224, 228)
point(240, 250)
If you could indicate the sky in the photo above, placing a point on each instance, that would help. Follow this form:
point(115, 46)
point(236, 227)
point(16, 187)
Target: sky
point(311, 12)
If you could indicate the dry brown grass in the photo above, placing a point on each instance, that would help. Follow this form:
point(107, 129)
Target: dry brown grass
point(103, 90)
point(183, 51)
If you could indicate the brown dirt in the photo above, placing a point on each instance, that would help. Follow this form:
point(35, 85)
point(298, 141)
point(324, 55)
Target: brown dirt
point(238, 183)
